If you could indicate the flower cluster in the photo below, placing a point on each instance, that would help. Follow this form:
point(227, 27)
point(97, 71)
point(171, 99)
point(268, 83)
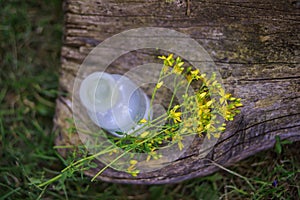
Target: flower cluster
point(201, 113)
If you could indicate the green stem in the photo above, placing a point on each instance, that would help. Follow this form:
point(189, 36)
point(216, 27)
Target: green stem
point(50, 181)
point(124, 153)
point(173, 95)
point(75, 164)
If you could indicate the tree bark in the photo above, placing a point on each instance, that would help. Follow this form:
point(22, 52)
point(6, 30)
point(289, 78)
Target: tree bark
point(255, 45)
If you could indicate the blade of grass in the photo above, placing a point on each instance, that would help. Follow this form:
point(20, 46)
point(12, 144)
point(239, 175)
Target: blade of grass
point(234, 173)
point(9, 193)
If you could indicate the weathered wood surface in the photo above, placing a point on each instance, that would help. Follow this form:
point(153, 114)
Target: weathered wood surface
point(255, 45)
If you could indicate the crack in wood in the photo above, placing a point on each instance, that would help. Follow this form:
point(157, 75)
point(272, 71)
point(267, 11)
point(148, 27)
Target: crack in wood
point(271, 79)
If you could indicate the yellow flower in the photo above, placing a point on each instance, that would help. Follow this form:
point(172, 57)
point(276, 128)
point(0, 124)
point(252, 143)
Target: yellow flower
point(208, 136)
point(142, 121)
point(133, 162)
point(168, 61)
point(189, 78)
point(238, 104)
point(209, 103)
point(217, 135)
point(132, 168)
point(162, 57)
point(158, 85)
point(178, 139)
point(135, 173)
point(143, 135)
point(178, 66)
point(176, 107)
point(222, 128)
point(202, 95)
point(178, 69)
point(113, 151)
point(153, 154)
point(224, 96)
point(180, 145)
point(200, 129)
point(195, 74)
point(175, 115)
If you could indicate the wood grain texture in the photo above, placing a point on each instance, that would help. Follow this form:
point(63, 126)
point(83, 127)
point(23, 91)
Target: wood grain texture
point(255, 45)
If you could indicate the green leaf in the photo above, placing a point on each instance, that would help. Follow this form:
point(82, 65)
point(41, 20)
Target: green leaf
point(278, 147)
point(286, 142)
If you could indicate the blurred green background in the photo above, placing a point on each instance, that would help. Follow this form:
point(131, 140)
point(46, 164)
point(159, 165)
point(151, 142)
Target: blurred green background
point(30, 41)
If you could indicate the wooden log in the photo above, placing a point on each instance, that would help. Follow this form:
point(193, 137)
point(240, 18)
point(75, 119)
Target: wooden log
point(255, 45)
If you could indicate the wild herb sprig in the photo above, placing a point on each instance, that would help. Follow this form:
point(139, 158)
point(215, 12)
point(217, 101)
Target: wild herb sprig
point(202, 112)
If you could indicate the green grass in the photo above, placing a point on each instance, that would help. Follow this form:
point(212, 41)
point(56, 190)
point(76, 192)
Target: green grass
point(30, 41)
